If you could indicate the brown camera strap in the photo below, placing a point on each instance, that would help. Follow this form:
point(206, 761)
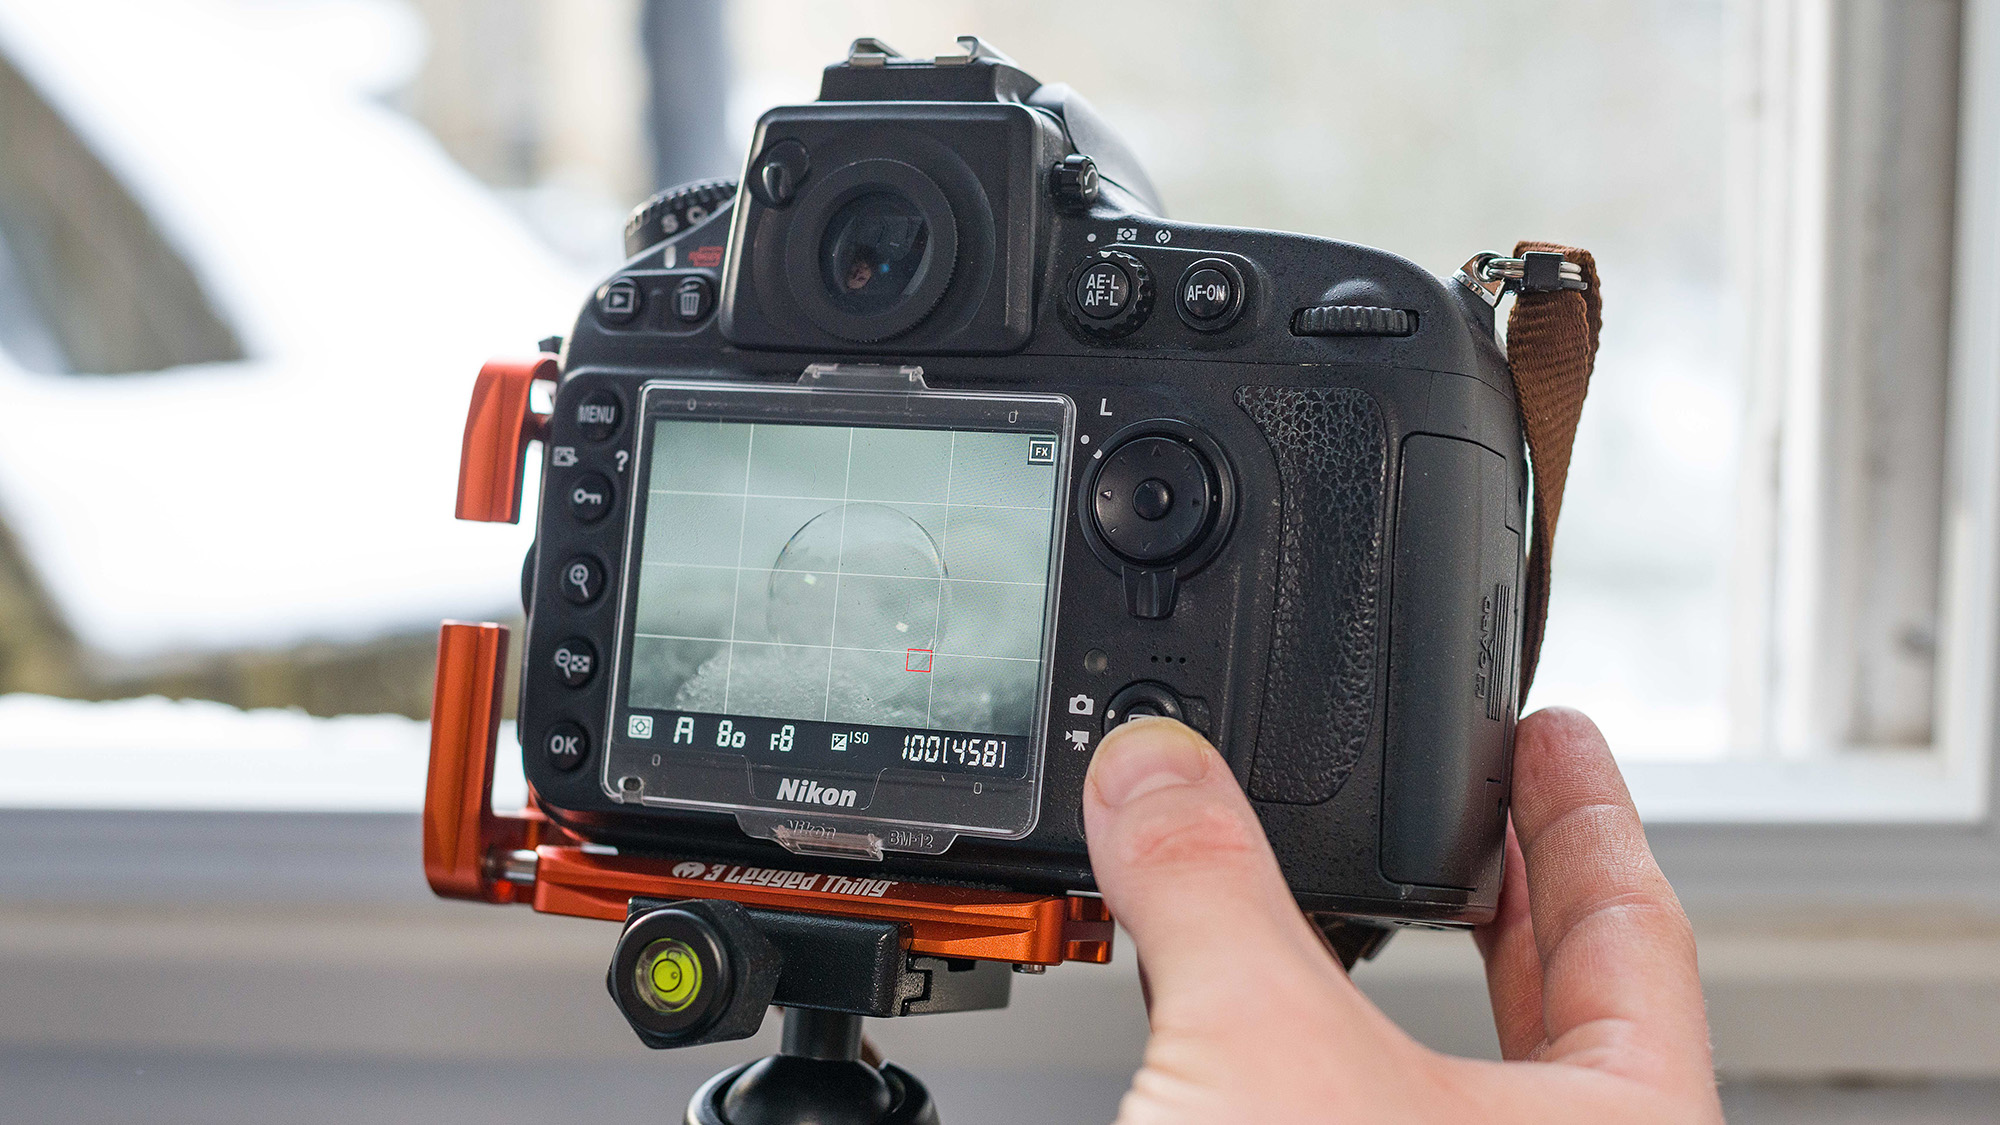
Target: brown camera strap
point(1551, 349)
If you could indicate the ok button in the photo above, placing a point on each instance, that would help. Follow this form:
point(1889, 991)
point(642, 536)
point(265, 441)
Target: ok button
point(566, 746)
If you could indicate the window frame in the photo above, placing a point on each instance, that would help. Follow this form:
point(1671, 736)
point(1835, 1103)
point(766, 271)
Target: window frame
point(1812, 785)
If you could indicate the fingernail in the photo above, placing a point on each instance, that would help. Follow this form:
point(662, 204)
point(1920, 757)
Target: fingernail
point(1147, 754)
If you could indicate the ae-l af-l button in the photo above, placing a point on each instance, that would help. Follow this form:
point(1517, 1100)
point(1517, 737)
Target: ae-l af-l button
point(1103, 291)
point(1110, 295)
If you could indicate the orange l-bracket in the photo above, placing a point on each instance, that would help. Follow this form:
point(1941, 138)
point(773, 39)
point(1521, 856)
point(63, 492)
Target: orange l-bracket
point(498, 427)
point(470, 852)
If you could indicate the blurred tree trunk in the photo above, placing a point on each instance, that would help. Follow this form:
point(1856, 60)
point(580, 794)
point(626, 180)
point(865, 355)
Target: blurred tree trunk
point(687, 66)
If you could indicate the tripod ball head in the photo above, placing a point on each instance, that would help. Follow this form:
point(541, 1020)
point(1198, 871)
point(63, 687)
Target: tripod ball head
point(697, 971)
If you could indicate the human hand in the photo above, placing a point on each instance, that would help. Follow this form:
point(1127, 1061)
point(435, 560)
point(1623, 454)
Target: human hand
point(1590, 961)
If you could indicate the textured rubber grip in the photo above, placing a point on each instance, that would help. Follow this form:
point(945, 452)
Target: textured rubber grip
point(1319, 690)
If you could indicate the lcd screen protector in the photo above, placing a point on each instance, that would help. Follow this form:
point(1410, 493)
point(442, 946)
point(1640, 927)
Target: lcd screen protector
point(850, 618)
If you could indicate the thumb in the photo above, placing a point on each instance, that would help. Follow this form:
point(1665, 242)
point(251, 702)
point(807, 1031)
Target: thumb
point(1184, 866)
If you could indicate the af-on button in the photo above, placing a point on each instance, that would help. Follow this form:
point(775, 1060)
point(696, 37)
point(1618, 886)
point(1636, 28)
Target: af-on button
point(1210, 295)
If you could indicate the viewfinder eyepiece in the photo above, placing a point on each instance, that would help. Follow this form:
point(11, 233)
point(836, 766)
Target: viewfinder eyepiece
point(869, 249)
point(873, 251)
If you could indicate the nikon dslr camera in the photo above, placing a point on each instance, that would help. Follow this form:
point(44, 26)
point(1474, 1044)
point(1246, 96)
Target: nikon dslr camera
point(879, 488)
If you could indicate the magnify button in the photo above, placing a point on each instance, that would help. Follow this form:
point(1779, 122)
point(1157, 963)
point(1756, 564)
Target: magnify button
point(582, 580)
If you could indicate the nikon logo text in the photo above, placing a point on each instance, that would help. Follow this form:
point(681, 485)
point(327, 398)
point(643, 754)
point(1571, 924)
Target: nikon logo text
point(813, 793)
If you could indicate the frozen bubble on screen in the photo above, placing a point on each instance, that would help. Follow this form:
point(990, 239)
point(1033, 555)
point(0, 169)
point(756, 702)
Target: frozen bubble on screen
point(850, 540)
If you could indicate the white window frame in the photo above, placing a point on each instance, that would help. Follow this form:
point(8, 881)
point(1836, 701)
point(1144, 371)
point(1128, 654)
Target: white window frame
point(1802, 537)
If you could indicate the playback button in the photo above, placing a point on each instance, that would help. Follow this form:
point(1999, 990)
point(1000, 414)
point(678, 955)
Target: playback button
point(619, 301)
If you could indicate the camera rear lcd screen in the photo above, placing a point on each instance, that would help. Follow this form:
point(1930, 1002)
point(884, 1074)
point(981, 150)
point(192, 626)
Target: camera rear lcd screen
point(842, 598)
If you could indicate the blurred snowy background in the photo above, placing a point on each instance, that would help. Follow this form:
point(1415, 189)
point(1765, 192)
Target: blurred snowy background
point(253, 251)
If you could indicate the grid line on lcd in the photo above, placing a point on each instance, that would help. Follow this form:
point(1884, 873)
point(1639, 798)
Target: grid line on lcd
point(839, 560)
point(736, 592)
point(860, 574)
point(944, 553)
point(836, 648)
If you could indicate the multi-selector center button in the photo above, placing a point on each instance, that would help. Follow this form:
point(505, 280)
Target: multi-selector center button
point(1154, 499)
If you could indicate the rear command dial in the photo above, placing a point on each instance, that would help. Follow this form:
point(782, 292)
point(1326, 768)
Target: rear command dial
point(1155, 499)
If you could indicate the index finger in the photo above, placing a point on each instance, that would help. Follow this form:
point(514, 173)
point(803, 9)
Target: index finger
point(1620, 988)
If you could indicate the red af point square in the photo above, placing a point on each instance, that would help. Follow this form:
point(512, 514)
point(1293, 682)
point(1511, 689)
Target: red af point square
point(916, 660)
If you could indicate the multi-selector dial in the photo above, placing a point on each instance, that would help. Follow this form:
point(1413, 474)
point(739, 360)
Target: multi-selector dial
point(1157, 506)
point(1155, 496)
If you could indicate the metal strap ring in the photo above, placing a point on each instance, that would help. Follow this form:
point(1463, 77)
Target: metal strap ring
point(1514, 269)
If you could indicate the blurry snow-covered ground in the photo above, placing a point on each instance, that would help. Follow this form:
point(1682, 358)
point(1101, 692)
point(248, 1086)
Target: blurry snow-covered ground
point(305, 493)
point(155, 753)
